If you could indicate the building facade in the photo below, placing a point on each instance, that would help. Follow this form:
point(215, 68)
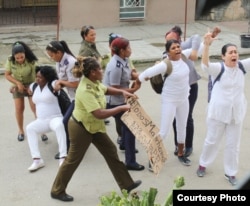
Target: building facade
point(71, 14)
point(114, 13)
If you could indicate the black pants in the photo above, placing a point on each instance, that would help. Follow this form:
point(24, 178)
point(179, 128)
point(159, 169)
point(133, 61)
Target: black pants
point(118, 121)
point(66, 118)
point(127, 140)
point(190, 122)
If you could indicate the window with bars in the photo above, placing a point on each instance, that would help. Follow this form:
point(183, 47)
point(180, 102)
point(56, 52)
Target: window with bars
point(132, 9)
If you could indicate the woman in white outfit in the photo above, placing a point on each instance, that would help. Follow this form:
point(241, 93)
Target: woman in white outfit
point(175, 92)
point(226, 109)
point(49, 116)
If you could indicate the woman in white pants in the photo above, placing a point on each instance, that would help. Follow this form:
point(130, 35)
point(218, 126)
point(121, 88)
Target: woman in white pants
point(175, 92)
point(49, 116)
point(226, 109)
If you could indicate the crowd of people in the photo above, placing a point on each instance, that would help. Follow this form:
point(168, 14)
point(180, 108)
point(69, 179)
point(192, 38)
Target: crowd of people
point(98, 86)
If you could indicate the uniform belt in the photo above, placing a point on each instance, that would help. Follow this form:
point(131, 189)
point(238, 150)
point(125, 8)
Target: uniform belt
point(76, 121)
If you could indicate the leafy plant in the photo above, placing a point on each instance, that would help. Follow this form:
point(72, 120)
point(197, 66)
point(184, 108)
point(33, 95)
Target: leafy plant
point(179, 182)
point(147, 198)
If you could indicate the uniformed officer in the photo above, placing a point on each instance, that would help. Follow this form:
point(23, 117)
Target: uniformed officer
point(65, 61)
point(118, 75)
point(87, 126)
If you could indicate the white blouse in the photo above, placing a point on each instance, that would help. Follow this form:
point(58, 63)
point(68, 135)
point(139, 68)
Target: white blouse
point(228, 103)
point(176, 86)
point(46, 103)
point(64, 72)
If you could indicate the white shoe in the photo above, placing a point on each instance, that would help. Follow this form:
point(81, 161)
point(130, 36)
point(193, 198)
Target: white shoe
point(61, 160)
point(37, 164)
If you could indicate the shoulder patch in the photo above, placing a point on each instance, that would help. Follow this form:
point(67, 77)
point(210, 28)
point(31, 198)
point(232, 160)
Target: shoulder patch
point(118, 64)
point(66, 62)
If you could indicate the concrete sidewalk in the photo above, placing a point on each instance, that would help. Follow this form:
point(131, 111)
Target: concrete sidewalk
point(147, 41)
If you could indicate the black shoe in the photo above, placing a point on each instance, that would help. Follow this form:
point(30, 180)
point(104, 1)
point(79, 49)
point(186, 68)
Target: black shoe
point(135, 167)
point(122, 148)
point(188, 151)
point(106, 121)
point(176, 151)
point(20, 137)
point(63, 197)
point(57, 156)
point(133, 186)
point(44, 137)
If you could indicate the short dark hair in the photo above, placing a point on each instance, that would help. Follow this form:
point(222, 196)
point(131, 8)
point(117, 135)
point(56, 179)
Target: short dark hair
point(169, 43)
point(224, 48)
point(48, 72)
point(177, 30)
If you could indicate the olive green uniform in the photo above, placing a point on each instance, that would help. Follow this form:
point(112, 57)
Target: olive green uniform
point(85, 129)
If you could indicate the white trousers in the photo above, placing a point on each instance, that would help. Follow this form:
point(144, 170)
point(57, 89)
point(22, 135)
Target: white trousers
point(179, 111)
point(215, 132)
point(39, 126)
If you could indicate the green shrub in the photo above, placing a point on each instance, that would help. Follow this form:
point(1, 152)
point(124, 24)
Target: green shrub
point(147, 198)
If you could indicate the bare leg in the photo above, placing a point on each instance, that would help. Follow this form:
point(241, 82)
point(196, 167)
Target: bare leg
point(19, 107)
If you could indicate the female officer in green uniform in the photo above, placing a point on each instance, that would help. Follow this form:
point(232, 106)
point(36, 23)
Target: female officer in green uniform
point(20, 71)
point(87, 126)
point(88, 47)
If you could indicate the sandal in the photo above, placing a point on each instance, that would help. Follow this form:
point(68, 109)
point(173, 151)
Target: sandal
point(20, 137)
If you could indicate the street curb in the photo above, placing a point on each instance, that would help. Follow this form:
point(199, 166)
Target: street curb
point(142, 62)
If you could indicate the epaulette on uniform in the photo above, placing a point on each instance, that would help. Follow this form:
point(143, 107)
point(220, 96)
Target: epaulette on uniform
point(66, 62)
point(118, 64)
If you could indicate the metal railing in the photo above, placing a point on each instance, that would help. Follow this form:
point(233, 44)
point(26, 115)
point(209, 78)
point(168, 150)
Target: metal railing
point(26, 12)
